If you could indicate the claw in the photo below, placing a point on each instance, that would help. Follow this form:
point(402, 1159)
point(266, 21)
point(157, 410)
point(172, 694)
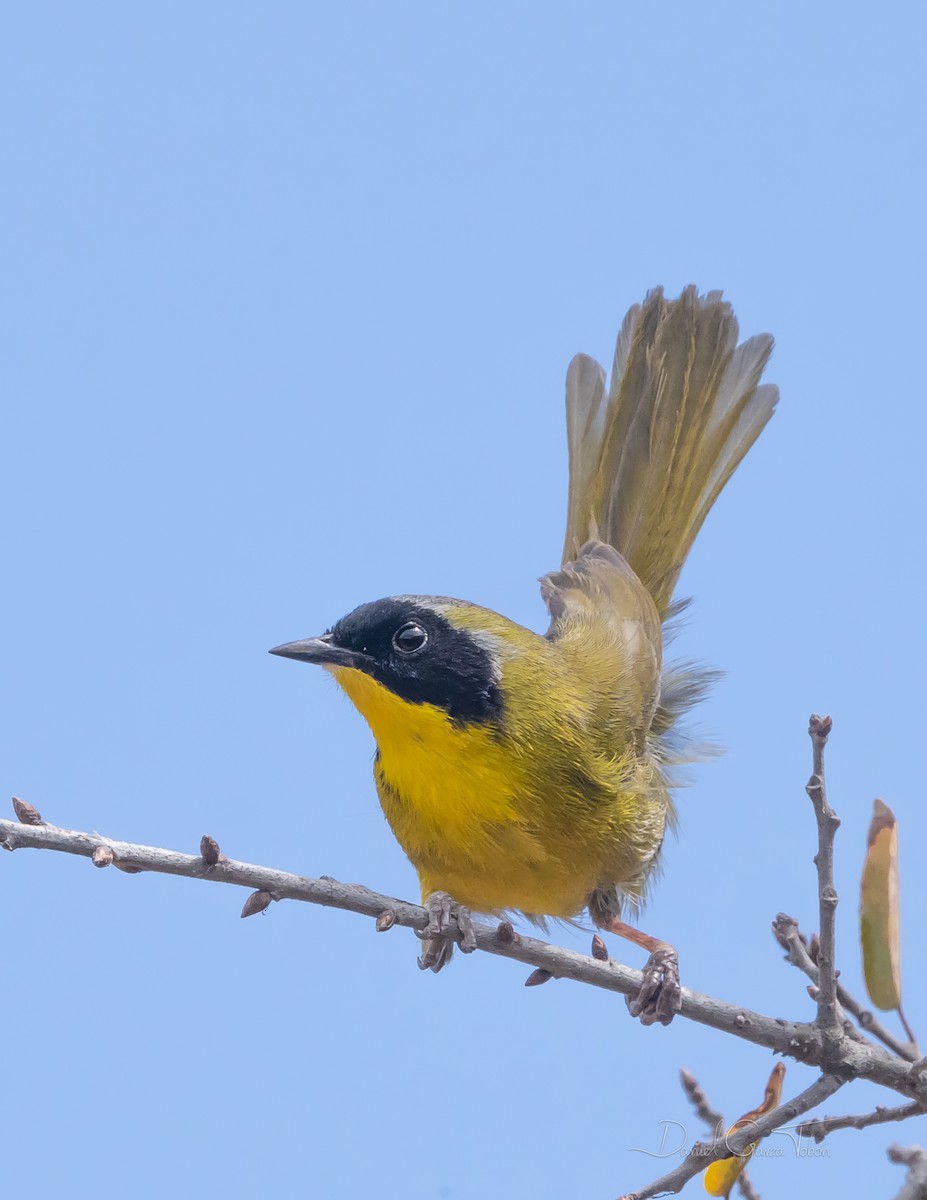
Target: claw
point(436, 953)
point(660, 995)
point(467, 932)
point(447, 922)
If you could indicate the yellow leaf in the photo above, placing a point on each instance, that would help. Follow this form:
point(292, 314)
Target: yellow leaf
point(878, 911)
point(721, 1176)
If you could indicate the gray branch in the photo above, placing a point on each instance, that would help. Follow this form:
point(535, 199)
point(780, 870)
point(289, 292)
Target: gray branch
point(829, 1016)
point(831, 1043)
point(714, 1121)
point(794, 1039)
point(706, 1113)
point(822, 1126)
point(794, 942)
point(915, 1159)
point(745, 1186)
point(838, 1040)
point(702, 1155)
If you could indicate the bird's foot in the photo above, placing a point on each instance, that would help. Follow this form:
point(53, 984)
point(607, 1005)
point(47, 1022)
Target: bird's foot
point(660, 995)
point(448, 922)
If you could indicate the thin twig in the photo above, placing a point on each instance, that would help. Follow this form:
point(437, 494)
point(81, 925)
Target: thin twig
point(869, 1022)
point(822, 1126)
point(828, 1015)
point(745, 1186)
point(710, 1117)
point(714, 1122)
point(794, 1039)
point(702, 1155)
point(915, 1159)
point(908, 1030)
point(793, 941)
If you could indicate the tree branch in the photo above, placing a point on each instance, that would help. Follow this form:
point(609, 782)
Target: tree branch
point(715, 1124)
point(831, 1043)
point(915, 1159)
point(795, 1039)
point(709, 1116)
point(820, 1128)
point(793, 941)
point(702, 1155)
point(829, 1018)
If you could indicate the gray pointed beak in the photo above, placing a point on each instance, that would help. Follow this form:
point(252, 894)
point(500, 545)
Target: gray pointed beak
point(319, 650)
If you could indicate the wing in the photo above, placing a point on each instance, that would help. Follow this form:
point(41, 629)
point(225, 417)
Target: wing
point(605, 621)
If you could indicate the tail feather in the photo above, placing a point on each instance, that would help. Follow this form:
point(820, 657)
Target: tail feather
point(650, 457)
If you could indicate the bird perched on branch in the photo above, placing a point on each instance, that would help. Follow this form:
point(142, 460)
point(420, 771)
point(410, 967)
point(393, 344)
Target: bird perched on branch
point(533, 774)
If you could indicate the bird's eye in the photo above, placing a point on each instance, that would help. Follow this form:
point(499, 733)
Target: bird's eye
point(409, 637)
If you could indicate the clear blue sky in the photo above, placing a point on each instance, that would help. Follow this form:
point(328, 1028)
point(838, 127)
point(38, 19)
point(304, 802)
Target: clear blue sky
point(289, 295)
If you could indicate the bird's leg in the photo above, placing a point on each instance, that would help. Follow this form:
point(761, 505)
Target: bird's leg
point(660, 996)
point(447, 921)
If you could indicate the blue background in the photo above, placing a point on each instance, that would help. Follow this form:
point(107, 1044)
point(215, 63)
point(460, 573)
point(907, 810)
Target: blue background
point(289, 295)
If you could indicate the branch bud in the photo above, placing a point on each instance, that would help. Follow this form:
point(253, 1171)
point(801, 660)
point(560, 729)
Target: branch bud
point(209, 850)
point(25, 813)
point(256, 903)
point(505, 933)
point(102, 856)
point(599, 949)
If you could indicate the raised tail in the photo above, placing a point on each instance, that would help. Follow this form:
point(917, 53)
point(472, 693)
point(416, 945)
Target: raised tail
point(650, 457)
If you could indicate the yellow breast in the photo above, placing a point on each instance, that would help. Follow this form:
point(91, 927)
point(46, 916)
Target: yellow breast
point(455, 797)
point(455, 777)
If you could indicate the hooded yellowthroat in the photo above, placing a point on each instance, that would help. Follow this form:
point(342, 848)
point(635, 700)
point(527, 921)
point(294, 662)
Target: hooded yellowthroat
point(533, 773)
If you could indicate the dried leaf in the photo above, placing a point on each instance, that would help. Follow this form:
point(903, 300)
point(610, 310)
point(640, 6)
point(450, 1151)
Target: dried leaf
point(721, 1176)
point(879, 911)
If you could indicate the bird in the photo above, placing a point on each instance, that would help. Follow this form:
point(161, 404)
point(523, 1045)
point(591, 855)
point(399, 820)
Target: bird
point(532, 774)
